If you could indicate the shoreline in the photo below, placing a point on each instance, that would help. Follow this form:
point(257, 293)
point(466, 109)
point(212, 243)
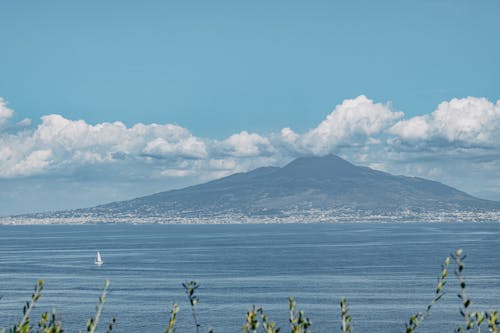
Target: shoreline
point(242, 220)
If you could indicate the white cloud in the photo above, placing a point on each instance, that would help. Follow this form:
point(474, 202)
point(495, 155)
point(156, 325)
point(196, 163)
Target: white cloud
point(74, 142)
point(36, 162)
point(189, 147)
point(5, 112)
point(466, 122)
point(352, 123)
point(26, 122)
point(246, 144)
point(364, 131)
point(176, 173)
point(289, 136)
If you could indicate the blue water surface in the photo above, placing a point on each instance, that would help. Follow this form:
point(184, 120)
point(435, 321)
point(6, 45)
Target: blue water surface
point(387, 271)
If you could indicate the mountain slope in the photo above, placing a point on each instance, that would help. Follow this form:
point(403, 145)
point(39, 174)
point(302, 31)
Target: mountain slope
point(307, 189)
point(319, 183)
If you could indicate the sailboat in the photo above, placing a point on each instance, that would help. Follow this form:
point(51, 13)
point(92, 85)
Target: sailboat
point(98, 260)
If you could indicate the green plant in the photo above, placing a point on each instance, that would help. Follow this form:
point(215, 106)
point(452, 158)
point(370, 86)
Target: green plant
point(474, 318)
point(251, 321)
point(416, 319)
point(493, 322)
point(111, 325)
point(173, 319)
point(24, 325)
point(471, 319)
point(256, 318)
point(346, 318)
point(51, 325)
point(190, 288)
point(298, 321)
point(269, 326)
point(92, 323)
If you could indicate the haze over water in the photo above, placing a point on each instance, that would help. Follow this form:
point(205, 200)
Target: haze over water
point(387, 272)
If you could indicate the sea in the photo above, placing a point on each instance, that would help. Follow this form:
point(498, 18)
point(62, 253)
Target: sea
point(386, 271)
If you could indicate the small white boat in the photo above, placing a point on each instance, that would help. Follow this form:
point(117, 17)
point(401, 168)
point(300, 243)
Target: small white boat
point(98, 260)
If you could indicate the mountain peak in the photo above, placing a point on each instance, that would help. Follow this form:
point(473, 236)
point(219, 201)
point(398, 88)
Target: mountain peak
point(327, 166)
point(329, 158)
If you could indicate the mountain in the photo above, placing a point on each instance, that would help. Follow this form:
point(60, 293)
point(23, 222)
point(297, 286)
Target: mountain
point(326, 188)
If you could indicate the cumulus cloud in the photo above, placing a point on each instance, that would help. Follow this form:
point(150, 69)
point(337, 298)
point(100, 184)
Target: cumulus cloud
point(59, 143)
point(354, 122)
point(466, 122)
point(35, 162)
point(360, 129)
point(190, 147)
point(5, 112)
point(246, 144)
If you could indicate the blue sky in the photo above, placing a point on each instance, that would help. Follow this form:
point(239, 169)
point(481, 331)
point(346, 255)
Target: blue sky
point(217, 69)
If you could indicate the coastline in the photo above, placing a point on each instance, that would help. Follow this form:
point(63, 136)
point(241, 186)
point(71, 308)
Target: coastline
point(295, 218)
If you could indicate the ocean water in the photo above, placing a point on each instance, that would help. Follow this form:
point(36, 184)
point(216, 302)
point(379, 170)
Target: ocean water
point(387, 272)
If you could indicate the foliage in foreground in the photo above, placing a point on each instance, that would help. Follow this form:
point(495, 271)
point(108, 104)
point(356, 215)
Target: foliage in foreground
point(256, 319)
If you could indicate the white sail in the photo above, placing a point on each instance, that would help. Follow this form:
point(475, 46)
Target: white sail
point(98, 259)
